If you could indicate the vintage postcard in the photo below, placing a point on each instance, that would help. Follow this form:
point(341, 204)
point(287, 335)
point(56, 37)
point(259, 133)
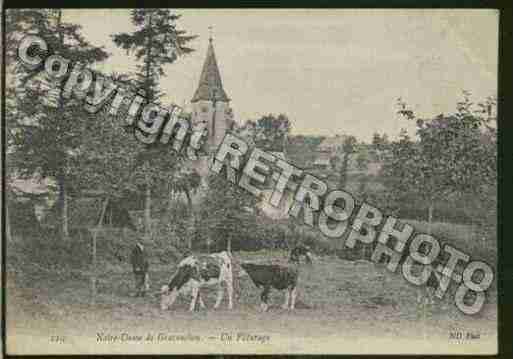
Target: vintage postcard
point(242, 181)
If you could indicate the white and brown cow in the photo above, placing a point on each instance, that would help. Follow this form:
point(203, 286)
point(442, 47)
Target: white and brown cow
point(197, 271)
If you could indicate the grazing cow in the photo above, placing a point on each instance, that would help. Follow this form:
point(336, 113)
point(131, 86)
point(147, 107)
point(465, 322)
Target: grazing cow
point(195, 272)
point(280, 277)
point(140, 265)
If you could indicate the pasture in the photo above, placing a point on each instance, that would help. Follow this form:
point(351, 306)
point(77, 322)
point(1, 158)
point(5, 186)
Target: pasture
point(350, 306)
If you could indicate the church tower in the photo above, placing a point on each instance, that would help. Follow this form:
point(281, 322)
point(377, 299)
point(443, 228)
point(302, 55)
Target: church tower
point(210, 104)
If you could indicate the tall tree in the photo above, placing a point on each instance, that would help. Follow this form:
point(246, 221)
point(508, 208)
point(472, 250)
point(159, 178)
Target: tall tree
point(155, 42)
point(105, 160)
point(349, 148)
point(48, 127)
point(227, 213)
point(451, 156)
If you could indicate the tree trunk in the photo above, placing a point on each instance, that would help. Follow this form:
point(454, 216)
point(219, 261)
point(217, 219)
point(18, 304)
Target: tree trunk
point(94, 264)
point(192, 221)
point(111, 212)
point(189, 200)
point(65, 218)
point(191, 231)
point(170, 201)
point(431, 208)
point(229, 245)
point(8, 233)
point(149, 95)
point(343, 171)
point(472, 229)
point(149, 45)
point(63, 201)
point(472, 222)
point(147, 207)
point(60, 178)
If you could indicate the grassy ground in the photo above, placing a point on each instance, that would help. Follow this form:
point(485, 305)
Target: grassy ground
point(462, 237)
point(347, 307)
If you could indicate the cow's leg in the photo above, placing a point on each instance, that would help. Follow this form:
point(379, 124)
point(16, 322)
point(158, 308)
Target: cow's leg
point(430, 293)
point(293, 295)
point(265, 297)
point(139, 283)
point(194, 292)
point(419, 295)
point(226, 277)
point(202, 305)
point(220, 293)
point(168, 299)
point(287, 297)
point(229, 289)
point(147, 282)
point(425, 295)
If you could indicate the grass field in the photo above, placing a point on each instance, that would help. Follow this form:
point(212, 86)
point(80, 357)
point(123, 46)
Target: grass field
point(462, 237)
point(344, 307)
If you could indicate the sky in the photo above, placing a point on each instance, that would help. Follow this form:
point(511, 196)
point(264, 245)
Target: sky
point(330, 71)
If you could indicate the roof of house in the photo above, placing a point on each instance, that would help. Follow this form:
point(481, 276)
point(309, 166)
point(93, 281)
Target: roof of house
point(210, 86)
point(331, 143)
point(31, 186)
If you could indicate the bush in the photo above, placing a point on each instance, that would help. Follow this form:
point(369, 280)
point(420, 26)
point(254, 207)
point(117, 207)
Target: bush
point(49, 251)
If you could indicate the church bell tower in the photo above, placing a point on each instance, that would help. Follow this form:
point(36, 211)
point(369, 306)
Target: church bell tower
point(210, 104)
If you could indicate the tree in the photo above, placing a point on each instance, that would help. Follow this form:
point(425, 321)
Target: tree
point(269, 132)
point(227, 213)
point(349, 147)
point(48, 129)
point(302, 150)
point(380, 145)
point(155, 42)
point(182, 179)
point(362, 161)
point(362, 158)
point(448, 158)
point(105, 161)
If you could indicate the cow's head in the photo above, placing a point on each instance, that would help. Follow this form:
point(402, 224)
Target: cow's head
point(167, 297)
point(300, 251)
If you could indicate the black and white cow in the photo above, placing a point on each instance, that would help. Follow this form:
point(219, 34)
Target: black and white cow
point(280, 277)
point(197, 271)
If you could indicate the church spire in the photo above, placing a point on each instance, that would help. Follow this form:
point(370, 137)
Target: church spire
point(210, 86)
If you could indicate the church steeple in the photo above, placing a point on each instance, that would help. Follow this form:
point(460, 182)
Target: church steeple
point(211, 107)
point(210, 86)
